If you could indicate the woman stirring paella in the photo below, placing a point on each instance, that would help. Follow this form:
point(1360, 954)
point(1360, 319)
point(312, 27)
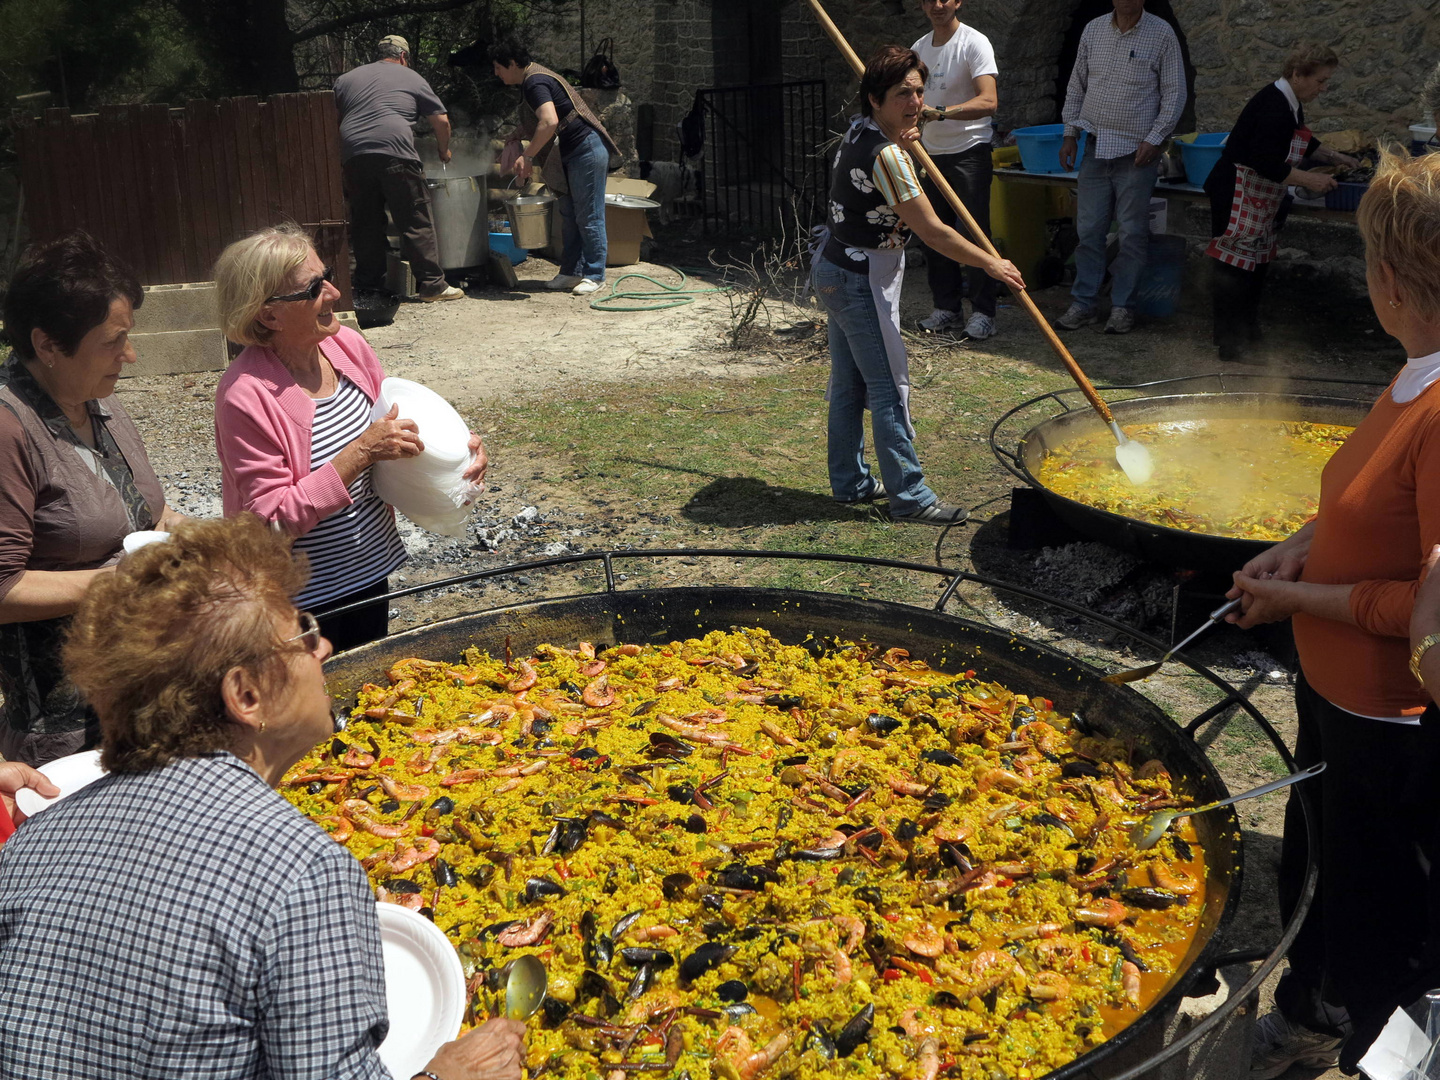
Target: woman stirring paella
point(1348, 581)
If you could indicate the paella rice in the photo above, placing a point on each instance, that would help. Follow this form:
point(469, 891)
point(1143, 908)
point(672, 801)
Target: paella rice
point(739, 857)
point(1246, 478)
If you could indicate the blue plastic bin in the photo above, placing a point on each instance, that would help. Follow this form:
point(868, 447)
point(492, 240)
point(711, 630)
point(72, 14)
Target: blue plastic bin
point(1201, 155)
point(502, 243)
point(1158, 292)
point(1040, 147)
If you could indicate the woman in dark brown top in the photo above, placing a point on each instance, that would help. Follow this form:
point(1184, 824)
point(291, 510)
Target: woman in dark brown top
point(74, 478)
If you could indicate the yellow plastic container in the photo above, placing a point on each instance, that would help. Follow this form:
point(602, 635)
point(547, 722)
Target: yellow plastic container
point(1018, 212)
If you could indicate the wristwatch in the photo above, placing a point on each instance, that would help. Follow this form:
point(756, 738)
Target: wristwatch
point(1419, 654)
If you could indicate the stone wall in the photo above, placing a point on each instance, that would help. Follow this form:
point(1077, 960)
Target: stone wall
point(666, 50)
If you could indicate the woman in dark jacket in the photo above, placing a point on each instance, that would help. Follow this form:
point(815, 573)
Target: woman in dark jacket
point(1262, 158)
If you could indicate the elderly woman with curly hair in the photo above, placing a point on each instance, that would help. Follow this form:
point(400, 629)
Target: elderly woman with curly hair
point(177, 917)
point(1348, 581)
point(293, 427)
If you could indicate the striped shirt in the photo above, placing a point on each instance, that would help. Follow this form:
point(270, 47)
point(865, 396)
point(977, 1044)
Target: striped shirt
point(359, 545)
point(1126, 88)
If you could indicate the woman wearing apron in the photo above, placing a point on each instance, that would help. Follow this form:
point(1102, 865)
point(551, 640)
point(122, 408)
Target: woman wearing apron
point(1247, 190)
point(858, 268)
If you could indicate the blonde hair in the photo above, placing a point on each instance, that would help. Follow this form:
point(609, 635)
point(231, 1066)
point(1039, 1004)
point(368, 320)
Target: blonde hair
point(249, 272)
point(1309, 57)
point(1399, 219)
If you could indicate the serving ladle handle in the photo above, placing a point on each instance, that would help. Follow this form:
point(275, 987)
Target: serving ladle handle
point(1149, 830)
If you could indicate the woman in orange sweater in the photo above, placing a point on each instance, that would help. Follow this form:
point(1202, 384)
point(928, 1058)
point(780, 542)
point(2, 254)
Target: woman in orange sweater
point(1348, 581)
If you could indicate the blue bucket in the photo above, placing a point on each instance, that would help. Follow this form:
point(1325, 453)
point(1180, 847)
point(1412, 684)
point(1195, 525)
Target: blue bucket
point(502, 243)
point(1201, 155)
point(1040, 147)
point(1158, 292)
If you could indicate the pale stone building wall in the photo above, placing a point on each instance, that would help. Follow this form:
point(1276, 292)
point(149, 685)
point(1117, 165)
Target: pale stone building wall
point(667, 49)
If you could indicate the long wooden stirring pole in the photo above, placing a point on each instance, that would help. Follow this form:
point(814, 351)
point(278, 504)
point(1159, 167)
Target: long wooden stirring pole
point(982, 241)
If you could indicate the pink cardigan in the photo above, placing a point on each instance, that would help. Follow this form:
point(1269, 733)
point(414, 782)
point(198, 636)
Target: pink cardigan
point(263, 429)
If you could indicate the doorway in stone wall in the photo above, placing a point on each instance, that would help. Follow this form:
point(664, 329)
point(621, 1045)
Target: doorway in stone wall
point(1086, 10)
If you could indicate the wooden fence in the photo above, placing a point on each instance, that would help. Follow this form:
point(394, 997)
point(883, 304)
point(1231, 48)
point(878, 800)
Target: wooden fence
point(166, 189)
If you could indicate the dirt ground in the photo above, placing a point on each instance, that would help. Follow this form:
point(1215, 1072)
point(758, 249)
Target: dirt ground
point(500, 350)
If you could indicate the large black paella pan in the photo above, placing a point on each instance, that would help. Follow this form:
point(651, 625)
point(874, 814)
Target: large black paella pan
point(1052, 421)
point(942, 640)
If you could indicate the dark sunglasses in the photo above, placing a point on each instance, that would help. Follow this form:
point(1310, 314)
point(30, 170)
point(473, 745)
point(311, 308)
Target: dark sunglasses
point(312, 292)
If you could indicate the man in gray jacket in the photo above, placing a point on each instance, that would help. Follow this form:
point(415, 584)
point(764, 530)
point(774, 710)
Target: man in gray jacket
point(379, 103)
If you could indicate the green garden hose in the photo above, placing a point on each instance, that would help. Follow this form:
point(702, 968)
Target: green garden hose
point(669, 296)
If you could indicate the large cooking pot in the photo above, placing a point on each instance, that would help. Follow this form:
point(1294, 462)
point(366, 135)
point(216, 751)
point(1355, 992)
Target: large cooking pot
point(942, 640)
point(1332, 402)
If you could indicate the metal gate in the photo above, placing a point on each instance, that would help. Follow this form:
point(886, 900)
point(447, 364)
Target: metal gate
point(764, 170)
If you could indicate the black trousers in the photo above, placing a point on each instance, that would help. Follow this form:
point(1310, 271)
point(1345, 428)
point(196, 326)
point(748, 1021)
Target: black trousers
point(1359, 951)
point(373, 184)
point(969, 173)
point(361, 626)
point(1235, 300)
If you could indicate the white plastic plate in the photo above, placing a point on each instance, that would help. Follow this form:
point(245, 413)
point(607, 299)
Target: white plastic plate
point(134, 541)
point(424, 989)
point(69, 774)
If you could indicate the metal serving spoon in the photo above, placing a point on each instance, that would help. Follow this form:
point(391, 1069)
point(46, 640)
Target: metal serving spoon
point(525, 988)
point(1136, 674)
point(1147, 832)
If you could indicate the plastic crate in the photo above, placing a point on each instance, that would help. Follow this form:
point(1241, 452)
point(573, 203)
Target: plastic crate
point(1040, 147)
point(1201, 155)
point(502, 243)
point(1346, 196)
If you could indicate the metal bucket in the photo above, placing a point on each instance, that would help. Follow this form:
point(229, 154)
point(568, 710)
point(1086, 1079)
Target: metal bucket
point(462, 229)
point(530, 219)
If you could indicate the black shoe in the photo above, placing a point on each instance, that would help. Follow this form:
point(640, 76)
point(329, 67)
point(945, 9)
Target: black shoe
point(937, 513)
point(1231, 352)
point(875, 494)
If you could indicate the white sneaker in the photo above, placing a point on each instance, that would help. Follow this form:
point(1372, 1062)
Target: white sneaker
point(564, 282)
point(450, 292)
point(941, 319)
point(980, 327)
point(586, 286)
point(1280, 1044)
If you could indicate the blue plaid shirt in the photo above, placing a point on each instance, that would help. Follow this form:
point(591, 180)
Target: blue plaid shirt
point(181, 924)
point(1125, 88)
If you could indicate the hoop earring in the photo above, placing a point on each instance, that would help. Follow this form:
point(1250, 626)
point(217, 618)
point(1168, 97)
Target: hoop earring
point(262, 728)
point(1395, 303)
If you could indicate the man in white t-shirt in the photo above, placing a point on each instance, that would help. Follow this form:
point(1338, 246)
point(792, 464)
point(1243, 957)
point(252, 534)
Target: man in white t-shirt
point(960, 97)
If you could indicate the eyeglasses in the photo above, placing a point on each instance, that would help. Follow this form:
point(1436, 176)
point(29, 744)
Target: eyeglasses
point(309, 633)
point(311, 292)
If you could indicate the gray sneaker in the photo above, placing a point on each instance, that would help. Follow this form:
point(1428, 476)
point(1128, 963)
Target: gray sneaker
point(1121, 321)
point(875, 494)
point(980, 327)
point(1076, 316)
point(1280, 1044)
point(937, 513)
point(942, 319)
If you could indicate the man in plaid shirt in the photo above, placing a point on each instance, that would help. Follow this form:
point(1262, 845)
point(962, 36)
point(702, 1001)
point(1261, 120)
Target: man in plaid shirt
point(1127, 91)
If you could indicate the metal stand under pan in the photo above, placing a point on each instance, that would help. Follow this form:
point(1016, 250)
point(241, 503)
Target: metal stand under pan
point(1201, 1025)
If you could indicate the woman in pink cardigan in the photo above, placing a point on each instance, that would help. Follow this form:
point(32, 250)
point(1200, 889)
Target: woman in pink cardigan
point(293, 428)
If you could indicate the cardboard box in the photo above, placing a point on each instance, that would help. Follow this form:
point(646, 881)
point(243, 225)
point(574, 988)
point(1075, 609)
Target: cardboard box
point(625, 228)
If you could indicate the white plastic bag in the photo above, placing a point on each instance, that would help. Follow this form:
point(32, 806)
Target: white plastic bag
point(428, 488)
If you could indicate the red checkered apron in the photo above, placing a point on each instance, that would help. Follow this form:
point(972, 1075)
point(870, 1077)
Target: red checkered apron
point(1249, 238)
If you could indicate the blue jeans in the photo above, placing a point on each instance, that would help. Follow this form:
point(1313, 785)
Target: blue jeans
point(582, 210)
point(1118, 189)
point(859, 369)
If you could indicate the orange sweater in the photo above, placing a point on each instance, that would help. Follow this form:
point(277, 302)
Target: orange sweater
point(1379, 516)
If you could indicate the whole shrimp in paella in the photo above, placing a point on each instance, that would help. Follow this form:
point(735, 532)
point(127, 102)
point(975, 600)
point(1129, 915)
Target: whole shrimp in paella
point(739, 858)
